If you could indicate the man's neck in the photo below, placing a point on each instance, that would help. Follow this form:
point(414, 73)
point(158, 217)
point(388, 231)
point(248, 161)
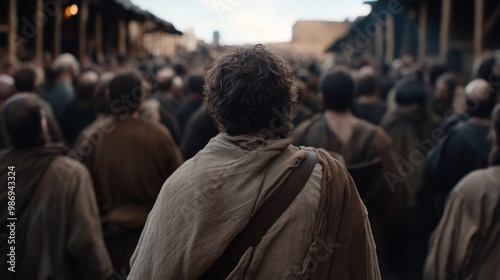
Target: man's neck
point(341, 124)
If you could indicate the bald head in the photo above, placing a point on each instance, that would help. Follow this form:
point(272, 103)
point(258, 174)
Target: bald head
point(480, 98)
point(22, 119)
point(7, 88)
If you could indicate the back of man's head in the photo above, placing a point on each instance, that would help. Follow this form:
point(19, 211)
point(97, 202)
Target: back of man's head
point(480, 98)
point(125, 91)
point(22, 119)
point(86, 86)
point(196, 84)
point(66, 63)
point(338, 91)
point(435, 71)
point(410, 91)
point(25, 79)
point(366, 83)
point(251, 91)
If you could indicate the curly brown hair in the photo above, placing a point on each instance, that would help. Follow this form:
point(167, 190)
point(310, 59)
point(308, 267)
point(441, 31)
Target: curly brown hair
point(251, 91)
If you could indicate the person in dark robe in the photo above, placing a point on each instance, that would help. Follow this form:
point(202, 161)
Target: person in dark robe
point(57, 232)
point(465, 244)
point(465, 149)
point(210, 199)
point(26, 81)
point(194, 100)
point(359, 143)
point(129, 158)
point(200, 129)
point(82, 111)
point(409, 125)
point(413, 129)
point(368, 105)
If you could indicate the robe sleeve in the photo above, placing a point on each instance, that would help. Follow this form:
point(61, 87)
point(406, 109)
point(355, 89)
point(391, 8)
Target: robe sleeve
point(85, 239)
point(451, 244)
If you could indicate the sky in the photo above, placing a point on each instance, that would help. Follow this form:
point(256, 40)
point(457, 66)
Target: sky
point(249, 21)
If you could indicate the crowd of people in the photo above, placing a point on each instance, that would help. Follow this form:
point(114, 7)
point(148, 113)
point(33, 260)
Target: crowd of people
point(152, 166)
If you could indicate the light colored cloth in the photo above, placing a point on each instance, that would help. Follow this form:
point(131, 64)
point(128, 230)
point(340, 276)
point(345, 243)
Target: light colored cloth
point(211, 198)
point(466, 244)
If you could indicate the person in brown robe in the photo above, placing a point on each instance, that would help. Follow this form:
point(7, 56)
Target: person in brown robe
point(412, 128)
point(129, 158)
point(323, 234)
point(466, 245)
point(54, 229)
point(359, 143)
point(26, 81)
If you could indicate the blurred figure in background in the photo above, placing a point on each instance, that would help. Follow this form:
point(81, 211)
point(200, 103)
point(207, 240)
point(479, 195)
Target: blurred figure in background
point(26, 81)
point(194, 100)
point(200, 129)
point(465, 243)
point(58, 89)
point(368, 105)
point(82, 111)
point(408, 125)
point(465, 149)
point(150, 109)
point(360, 143)
point(129, 159)
point(58, 232)
point(441, 101)
point(412, 129)
point(7, 89)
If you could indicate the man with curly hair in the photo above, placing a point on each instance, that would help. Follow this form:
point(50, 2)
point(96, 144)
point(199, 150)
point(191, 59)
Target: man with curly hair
point(323, 234)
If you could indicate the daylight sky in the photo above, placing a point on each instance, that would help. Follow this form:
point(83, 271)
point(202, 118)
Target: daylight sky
point(249, 21)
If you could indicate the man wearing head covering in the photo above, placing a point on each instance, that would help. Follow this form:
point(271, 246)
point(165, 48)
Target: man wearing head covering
point(465, 244)
point(410, 125)
point(210, 199)
point(360, 143)
point(56, 233)
point(129, 158)
point(465, 149)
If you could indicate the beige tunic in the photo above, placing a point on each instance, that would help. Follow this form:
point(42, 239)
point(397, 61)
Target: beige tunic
point(211, 198)
point(466, 243)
